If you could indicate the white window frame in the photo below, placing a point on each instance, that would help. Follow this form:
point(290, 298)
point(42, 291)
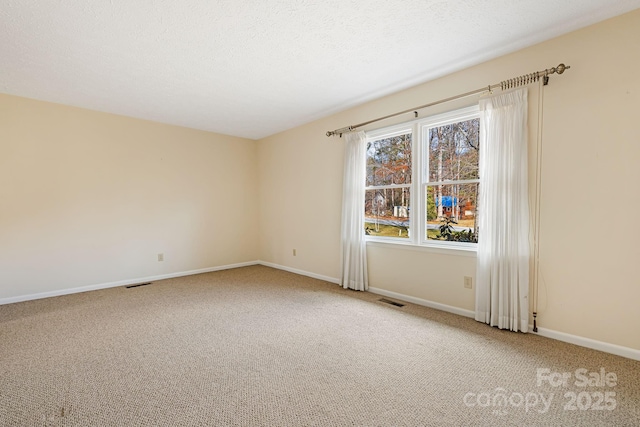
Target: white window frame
point(420, 177)
point(389, 132)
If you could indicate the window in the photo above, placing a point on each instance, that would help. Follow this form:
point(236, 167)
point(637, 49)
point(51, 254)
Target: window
point(422, 181)
point(388, 186)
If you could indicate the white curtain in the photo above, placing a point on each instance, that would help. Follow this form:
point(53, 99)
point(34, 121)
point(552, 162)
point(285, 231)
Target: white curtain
point(353, 246)
point(502, 287)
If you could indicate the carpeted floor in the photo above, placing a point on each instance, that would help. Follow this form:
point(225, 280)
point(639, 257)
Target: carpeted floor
point(261, 347)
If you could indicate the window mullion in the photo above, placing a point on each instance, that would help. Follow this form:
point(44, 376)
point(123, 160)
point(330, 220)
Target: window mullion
point(416, 223)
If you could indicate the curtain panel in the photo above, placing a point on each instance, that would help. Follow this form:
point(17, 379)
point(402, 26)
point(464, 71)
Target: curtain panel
point(353, 246)
point(502, 284)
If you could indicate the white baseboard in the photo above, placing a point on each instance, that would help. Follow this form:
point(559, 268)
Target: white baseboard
point(300, 272)
point(125, 282)
point(618, 350)
point(383, 292)
point(423, 302)
point(606, 347)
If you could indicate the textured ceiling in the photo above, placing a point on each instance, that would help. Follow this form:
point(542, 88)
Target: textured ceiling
point(253, 68)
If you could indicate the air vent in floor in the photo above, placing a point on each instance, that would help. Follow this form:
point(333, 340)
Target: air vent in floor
point(388, 301)
point(139, 284)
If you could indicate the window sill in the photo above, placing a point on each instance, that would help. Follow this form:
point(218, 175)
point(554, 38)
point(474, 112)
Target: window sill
point(466, 251)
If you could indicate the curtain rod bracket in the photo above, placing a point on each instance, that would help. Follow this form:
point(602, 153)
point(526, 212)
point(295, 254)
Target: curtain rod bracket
point(340, 131)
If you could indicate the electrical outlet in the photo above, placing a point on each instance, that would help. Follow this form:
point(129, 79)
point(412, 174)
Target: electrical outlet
point(160, 257)
point(468, 282)
point(295, 252)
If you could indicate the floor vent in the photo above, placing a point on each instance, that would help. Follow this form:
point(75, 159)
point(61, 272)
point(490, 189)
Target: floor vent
point(139, 284)
point(388, 301)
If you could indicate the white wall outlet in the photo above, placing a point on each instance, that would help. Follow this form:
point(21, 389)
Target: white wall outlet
point(295, 252)
point(160, 257)
point(468, 282)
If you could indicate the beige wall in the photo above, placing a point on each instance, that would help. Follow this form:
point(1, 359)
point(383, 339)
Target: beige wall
point(300, 200)
point(91, 198)
point(589, 285)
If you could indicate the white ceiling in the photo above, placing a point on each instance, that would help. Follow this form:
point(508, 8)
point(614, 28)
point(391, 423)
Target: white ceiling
point(253, 68)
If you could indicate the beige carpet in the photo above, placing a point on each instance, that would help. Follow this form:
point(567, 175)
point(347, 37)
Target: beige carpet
point(257, 346)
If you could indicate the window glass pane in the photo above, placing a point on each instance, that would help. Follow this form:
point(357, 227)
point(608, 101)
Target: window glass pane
point(453, 151)
point(389, 160)
point(386, 212)
point(451, 212)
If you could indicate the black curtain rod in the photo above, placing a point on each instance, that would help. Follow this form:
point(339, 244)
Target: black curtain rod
point(505, 84)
